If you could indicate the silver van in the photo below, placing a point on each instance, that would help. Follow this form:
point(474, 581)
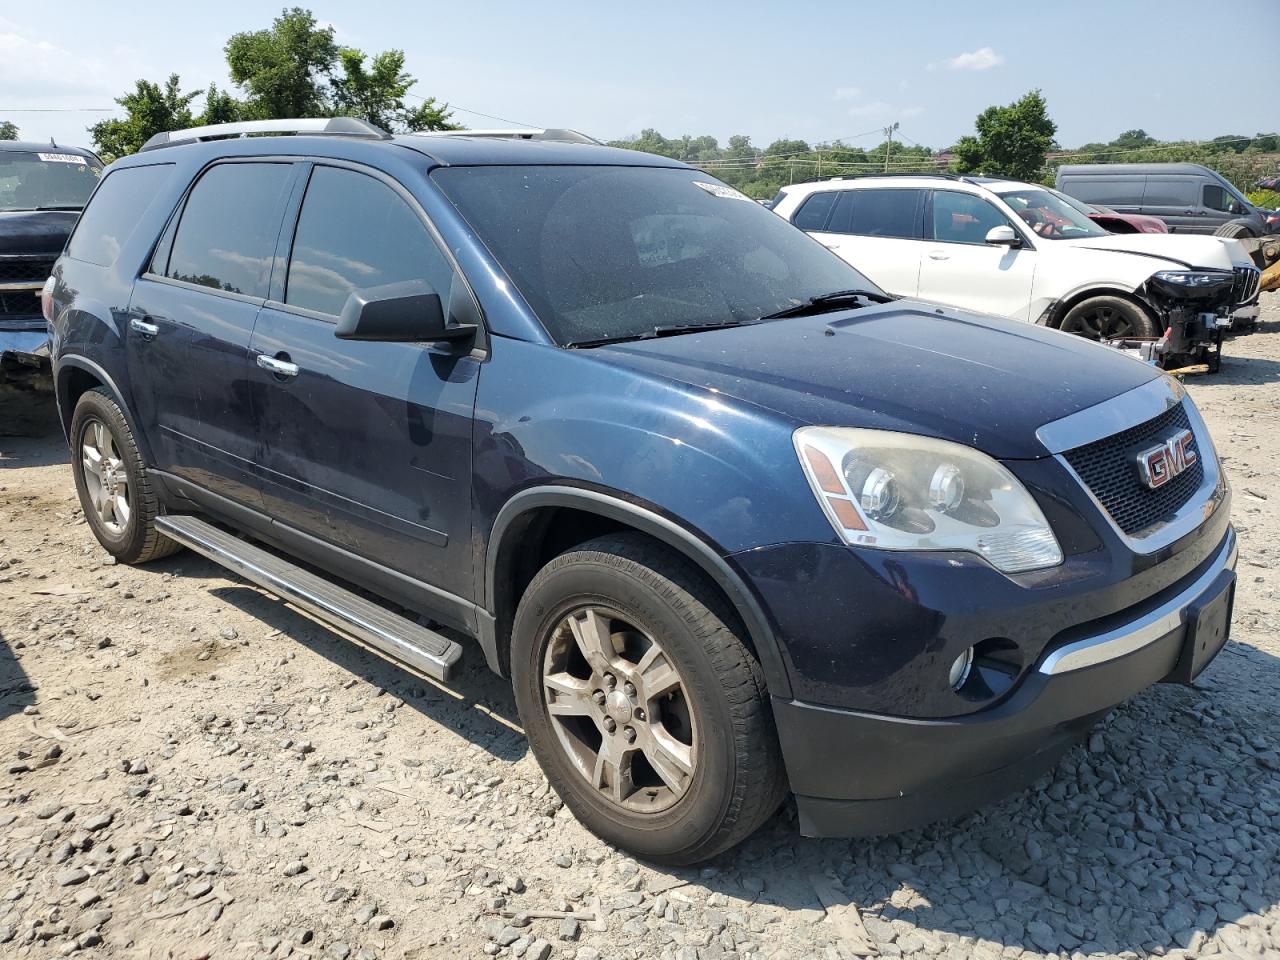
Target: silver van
point(1188, 197)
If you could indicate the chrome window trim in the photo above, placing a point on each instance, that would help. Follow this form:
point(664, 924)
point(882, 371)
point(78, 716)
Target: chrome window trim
point(1147, 629)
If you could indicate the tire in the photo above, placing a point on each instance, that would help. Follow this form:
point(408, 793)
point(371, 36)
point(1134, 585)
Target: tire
point(1105, 318)
point(1235, 231)
point(718, 719)
point(126, 528)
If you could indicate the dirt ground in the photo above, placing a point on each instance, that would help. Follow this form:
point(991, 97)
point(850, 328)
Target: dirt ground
point(192, 769)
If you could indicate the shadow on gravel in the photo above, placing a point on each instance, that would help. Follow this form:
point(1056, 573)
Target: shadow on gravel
point(16, 691)
point(27, 407)
point(1242, 370)
point(1164, 830)
point(30, 441)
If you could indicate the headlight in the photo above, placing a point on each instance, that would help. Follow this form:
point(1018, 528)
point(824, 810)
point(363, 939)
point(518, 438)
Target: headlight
point(1191, 278)
point(897, 491)
point(1191, 284)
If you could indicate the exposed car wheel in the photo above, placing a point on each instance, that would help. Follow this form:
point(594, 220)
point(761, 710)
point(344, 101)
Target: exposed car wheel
point(116, 496)
point(1105, 318)
point(644, 707)
point(1235, 231)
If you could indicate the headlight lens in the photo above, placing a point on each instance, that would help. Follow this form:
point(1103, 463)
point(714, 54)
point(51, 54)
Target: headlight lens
point(1190, 278)
point(898, 491)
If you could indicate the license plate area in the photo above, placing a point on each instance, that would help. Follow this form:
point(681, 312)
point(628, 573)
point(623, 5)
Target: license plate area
point(1208, 627)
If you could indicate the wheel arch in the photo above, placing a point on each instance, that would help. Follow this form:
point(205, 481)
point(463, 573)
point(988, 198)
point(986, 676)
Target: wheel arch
point(74, 375)
point(1059, 308)
point(530, 523)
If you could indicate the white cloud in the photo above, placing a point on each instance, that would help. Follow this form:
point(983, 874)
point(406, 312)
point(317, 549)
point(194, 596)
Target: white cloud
point(984, 58)
point(847, 93)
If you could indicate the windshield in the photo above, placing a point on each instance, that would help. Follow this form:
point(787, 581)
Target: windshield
point(37, 181)
point(603, 253)
point(1073, 203)
point(1051, 217)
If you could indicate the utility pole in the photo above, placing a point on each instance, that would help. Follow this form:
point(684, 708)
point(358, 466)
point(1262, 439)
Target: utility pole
point(888, 142)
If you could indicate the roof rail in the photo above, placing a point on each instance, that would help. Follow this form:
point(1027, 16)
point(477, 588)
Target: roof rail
point(550, 133)
point(329, 126)
point(905, 173)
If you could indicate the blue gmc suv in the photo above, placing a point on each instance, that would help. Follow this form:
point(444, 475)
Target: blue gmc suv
point(736, 523)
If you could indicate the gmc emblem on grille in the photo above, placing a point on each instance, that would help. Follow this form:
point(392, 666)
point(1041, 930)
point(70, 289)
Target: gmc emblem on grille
point(1158, 465)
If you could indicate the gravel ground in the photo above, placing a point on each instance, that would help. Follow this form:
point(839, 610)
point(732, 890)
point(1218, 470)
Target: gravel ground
point(191, 769)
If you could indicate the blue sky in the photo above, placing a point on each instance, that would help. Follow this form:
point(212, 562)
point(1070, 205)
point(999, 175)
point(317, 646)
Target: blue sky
point(816, 71)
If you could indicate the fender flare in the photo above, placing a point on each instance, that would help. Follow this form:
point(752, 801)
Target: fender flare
point(650, 522)
point(80, 362)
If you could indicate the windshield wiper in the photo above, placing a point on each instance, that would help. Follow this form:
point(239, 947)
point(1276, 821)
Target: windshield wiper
point(829, 301)
point(674, 330)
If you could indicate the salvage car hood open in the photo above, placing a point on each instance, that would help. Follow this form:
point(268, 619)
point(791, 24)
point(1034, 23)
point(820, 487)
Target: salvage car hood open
point(905, 366)
point(1181, 250)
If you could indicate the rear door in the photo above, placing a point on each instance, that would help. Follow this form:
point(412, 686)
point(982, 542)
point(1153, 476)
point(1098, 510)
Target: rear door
point(878, 230)
point(190, 320)
point(1176, 200)
point(959, 267)
point(366, 446)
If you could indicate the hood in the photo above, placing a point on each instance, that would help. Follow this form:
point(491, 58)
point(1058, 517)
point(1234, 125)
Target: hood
point(35, 231)
point(1181, 249)
point(905, 366)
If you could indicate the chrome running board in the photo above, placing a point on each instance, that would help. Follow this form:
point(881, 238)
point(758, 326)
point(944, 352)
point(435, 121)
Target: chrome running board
point(399, 638)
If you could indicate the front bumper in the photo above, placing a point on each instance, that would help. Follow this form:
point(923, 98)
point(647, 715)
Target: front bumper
point(864, 774)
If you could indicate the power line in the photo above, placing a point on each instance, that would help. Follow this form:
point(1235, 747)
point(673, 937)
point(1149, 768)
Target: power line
point(477, 113)
point(60, 110)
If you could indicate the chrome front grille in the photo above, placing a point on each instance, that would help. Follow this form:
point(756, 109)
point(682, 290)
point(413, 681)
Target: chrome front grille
point(1245, 288)
point(1108, 468)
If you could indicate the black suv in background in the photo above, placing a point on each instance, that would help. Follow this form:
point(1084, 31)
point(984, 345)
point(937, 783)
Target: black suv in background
point(43, 187)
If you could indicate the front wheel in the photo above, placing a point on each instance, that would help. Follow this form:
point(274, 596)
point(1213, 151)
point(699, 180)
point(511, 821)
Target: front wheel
point(1109, 318)
point(642, 704)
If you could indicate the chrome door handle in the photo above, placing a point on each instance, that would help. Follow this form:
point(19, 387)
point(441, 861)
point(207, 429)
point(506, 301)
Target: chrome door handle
point(281, 368)
point(142, 327)
point(939, 255)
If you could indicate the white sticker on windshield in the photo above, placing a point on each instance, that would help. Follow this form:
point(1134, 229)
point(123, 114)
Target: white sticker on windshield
point(720, 190)
point(62, 158)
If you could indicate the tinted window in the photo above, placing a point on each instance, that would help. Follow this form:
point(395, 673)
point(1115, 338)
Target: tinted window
point(877, 213)
point(46, 181)
point(813, 213)
point(227, 235)
point(963, 217)
point(354, 233)
point(111, 217)
point(606, 252)
point(1171, 192)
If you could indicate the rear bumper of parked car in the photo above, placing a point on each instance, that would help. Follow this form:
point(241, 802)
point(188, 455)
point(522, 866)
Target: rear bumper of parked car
point(865, 774)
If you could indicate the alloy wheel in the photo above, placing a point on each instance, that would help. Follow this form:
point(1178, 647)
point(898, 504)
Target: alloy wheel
point(105, 477)
point(1101, 323)
point(620, 710)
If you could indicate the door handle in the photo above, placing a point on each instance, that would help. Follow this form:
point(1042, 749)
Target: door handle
point(138, 325)
point(939, 255)
point(281, 368)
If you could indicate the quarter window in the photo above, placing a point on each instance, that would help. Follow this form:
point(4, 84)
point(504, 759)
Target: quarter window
point(813, 213)
point(114, 212)
point(877, 213)
point(964, 218)
point(227, 236)
point(354, 233)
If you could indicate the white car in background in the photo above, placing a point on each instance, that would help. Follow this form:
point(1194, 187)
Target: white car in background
point(1009, 248)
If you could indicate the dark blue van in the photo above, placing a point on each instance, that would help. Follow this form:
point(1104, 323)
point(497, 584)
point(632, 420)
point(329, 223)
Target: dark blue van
point(736, 523)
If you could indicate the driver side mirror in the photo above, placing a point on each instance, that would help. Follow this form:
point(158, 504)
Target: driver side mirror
point(1004, 236)
point(407, 312)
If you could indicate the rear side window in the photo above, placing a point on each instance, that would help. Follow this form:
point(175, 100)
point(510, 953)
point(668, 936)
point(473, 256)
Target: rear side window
point(877, 213)
point(1171, 192)
point(355, 232)
point(227, 236)
point(813, 213)
point(114, 212)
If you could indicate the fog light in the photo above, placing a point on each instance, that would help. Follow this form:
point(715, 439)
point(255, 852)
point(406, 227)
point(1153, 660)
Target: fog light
point(960, 669)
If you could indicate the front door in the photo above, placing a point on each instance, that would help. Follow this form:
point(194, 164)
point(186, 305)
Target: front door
point(960, 268)
point(190, 320)
point(366, 446)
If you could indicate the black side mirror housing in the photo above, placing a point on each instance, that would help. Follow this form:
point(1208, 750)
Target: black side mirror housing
point(398, 313)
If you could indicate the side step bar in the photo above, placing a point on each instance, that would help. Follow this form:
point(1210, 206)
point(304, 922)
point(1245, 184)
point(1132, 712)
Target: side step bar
point(432, 653)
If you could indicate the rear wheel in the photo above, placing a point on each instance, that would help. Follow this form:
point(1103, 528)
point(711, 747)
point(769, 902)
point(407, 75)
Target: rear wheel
point(1235, 231)
point(1107, 318)
point(111, 479)
point(644, 707)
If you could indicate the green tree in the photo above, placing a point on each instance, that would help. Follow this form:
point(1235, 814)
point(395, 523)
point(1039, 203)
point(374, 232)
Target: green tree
point(377, 93)
point(8, 130)
point(149, 109)
point(1011, 141)
point(1131, 139)
point(285, 70)
point(220, 107)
